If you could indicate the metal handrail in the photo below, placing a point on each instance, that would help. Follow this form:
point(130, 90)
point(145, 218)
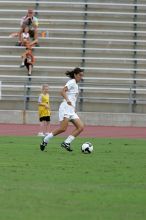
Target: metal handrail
point(64, 78)
point(75, 30)
point(71, 2)
point(74, 12)
point(75, 3)
point(76, 48)
point(80, 38)
point(72, 67)
point(77, 58)
point(81, 87)
point(41, 20)
point(52, 21)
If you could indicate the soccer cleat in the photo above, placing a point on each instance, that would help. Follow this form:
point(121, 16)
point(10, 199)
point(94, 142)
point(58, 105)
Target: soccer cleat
point(43, 145)
point(66, 146)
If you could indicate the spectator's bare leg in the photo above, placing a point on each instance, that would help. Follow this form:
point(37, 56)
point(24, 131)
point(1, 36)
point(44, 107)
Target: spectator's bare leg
point(22, 64)
point(19, 36)
point(30, 70)
point(35, 34)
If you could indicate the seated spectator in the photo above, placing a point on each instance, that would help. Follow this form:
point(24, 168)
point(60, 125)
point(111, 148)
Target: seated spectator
point(28, 60)
point(31, 22)
point(25, 39)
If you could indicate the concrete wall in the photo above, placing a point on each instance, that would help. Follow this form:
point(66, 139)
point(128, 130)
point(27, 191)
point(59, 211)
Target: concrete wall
point(89, 118)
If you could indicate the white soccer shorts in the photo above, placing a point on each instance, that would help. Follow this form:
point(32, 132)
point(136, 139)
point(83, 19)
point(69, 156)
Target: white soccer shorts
point(67, 111)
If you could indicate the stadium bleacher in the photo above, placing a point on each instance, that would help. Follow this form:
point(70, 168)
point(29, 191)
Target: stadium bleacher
point(106, 38)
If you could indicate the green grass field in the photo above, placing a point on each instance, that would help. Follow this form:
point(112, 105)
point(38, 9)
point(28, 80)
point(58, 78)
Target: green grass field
point(109, 184)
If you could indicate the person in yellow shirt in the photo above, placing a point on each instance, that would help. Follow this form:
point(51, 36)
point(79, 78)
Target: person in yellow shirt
point(44, 111)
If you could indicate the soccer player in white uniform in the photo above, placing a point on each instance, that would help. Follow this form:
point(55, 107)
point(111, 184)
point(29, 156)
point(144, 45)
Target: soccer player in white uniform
point(67, 111)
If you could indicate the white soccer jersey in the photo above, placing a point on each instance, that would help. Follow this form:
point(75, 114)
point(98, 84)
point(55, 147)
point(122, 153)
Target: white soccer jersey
point(72, 92)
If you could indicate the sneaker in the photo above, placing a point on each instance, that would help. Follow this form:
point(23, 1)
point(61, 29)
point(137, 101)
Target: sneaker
point(29, 78)
point(43, 145)
point(22, 65)
point(18, 44)
point(37, 45)
point(66, 146)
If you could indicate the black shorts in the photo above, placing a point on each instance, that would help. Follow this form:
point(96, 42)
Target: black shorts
point(31, 33)
point(45, 118)
point(27, 64)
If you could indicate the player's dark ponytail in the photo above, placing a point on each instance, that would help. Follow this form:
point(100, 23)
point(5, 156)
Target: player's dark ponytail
point(74, 72)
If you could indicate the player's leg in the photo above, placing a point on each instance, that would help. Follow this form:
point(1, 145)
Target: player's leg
point(79, 126)
point(61, 129)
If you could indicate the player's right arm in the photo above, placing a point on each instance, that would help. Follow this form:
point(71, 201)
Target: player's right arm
point(63, 93)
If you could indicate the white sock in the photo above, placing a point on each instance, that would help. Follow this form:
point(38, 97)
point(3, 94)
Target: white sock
point(48, 137)
point(69, 139)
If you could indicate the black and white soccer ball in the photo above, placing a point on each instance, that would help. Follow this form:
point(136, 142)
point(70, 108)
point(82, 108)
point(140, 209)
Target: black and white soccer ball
point(87, 148)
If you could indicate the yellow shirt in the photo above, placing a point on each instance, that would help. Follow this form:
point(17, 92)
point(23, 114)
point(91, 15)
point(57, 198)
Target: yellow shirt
point(44, 99)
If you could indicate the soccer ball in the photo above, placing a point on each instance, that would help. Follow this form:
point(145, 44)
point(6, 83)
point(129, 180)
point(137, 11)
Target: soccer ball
point(87, 148)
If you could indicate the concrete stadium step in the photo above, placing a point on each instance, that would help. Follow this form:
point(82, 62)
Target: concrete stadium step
point(123, 27)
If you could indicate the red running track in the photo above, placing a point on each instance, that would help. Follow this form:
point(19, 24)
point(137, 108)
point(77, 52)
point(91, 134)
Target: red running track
point(89, 131)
